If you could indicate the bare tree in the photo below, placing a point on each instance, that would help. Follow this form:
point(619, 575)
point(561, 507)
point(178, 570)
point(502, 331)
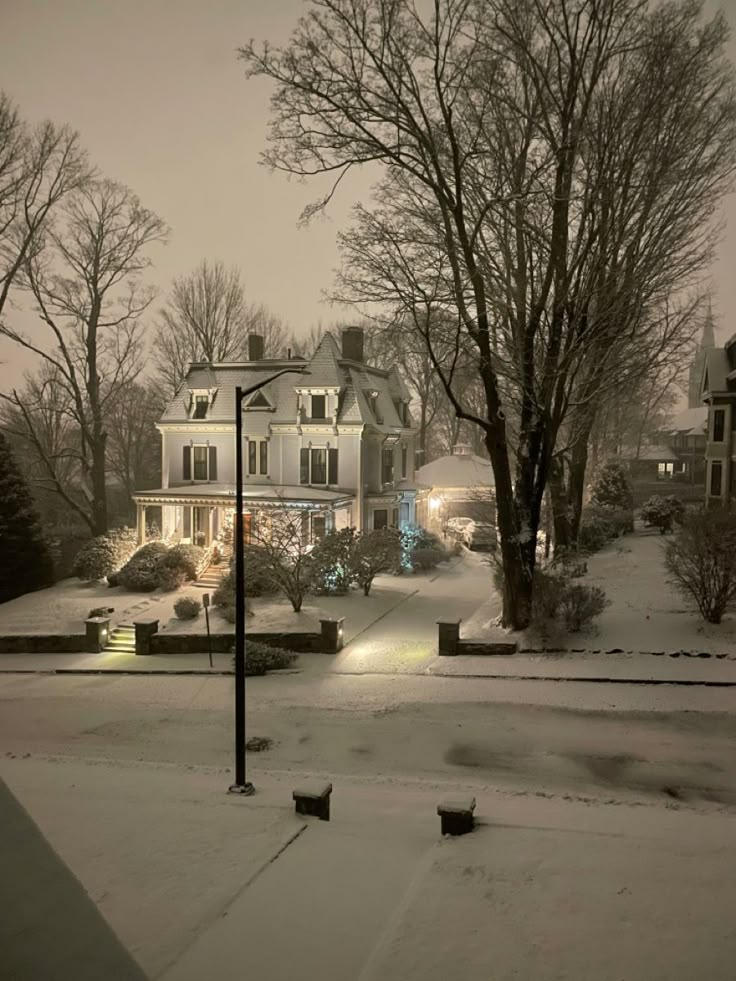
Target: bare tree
point(134, 452)
point(84, 279)
point(549, 169)
point(38, 168)
point(208, 319)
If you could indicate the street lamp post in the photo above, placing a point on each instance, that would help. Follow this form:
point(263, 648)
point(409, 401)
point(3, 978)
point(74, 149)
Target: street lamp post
point(241, 784)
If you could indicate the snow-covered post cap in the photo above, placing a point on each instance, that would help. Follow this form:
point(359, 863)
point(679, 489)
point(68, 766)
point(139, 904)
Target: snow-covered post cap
point(448, 635)
point(333, 634)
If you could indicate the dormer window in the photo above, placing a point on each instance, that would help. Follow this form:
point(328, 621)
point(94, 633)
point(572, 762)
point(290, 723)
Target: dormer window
point(372, 397)
point(200, 402)
point(319, 407)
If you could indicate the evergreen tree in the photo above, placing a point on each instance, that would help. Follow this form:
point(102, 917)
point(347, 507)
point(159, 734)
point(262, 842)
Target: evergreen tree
point(611, 487)
point(25, 561)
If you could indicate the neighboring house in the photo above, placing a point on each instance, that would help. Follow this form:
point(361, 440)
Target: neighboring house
point(457, 486)
point(688, 438)
point(335, 445)
point(719, 394)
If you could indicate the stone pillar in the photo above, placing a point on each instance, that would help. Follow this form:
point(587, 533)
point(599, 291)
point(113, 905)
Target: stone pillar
point(145, 630)
point(141, 523)
point(449, 635)
point(97, 630)
point(333, 631)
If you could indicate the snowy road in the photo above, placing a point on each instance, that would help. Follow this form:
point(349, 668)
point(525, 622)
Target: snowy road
point(621, 742)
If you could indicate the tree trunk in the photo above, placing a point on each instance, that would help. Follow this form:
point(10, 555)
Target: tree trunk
point(558, 500)
point(576, 485)
point(99, 485)
point(517, 579)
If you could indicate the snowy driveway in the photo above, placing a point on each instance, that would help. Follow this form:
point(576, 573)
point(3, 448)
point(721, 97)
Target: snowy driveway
point(405, 638)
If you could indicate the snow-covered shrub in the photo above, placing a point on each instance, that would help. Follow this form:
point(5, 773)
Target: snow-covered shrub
point(169, 579)
point(593, 534)
point(580, 604)
point(549, 587)
point(611, 488)
point(413, 537)
point(330, 570)
point(104, 554)
point(373, 552)
point(140, 572)
point(656, 512)
point(186, 559)
point(187, 608)
point(260, 658)
point(701, 560)
point(425, 559)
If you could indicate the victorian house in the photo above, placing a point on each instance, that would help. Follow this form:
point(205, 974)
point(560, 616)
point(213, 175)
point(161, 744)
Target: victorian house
point(719, 395)
point(335, 444)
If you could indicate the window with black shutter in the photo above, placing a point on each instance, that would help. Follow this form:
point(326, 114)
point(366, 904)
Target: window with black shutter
point(304, 465)
point(332, 477)
point(388, 465)
point(404, 462)
point(186, 467)
point(251, 456)
point(264, 457)
point(213, 463)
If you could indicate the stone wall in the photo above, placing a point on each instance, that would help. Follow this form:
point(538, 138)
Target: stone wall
point(43, 644)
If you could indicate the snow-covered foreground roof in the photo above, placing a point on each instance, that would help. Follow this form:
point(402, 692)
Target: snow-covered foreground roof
point(691, 422)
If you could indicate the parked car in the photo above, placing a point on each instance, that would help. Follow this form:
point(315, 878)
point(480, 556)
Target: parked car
point(480, 535)
point(456, 527)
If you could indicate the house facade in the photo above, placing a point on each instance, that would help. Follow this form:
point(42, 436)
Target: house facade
point(719, 395)
point(335, 444)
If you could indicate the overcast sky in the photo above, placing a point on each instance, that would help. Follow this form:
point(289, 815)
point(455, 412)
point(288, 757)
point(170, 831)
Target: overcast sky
point(160, 100)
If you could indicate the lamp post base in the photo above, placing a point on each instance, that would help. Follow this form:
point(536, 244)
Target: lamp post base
point(244, 789)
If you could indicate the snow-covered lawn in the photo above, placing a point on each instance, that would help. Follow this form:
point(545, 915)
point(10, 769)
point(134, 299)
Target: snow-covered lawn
point(646, 612)
point(275, 614)
point(63, 607)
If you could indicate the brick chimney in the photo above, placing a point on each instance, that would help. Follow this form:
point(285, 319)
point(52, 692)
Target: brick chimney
point(255, 347)
point(352, 344)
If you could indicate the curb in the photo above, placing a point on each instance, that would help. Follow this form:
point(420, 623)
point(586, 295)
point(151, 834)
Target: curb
point(160, 672)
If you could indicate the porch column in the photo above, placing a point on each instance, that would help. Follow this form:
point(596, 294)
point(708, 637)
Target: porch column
point(141, 523)
point(210, 524)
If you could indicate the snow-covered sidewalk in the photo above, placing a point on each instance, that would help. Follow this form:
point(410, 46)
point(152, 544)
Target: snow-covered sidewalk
point(200, 884)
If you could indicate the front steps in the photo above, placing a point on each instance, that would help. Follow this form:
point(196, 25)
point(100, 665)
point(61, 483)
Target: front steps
point(212, 576)
point(121, 639)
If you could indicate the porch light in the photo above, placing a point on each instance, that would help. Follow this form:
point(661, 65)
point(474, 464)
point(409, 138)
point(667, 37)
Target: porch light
point(435, 503)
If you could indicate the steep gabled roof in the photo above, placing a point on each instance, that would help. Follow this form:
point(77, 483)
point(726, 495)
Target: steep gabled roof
point(715, 370)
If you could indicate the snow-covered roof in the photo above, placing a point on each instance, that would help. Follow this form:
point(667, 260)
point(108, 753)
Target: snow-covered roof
point(458, 470)
point(327, 369)
point(691, 422)
point(651, 454)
